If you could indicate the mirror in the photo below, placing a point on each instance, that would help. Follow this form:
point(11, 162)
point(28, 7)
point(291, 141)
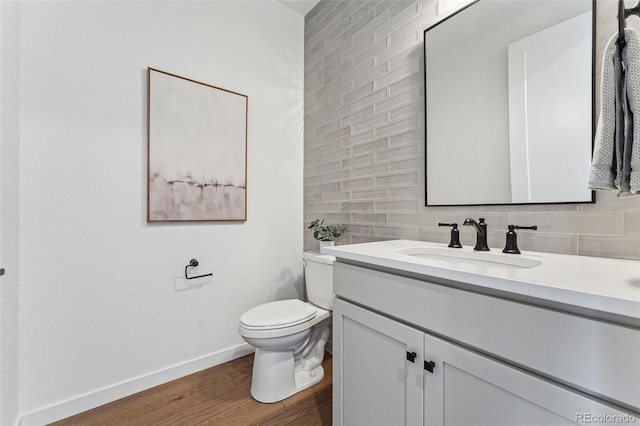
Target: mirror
point(509, 103)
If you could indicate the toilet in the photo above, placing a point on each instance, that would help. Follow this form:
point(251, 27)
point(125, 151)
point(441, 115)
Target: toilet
point(290, 335)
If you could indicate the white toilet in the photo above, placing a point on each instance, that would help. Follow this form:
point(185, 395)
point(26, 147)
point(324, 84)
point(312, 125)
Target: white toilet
point(289, 335)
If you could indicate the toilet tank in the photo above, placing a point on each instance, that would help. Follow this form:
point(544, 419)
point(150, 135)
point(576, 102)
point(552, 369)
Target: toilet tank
point(318, 276)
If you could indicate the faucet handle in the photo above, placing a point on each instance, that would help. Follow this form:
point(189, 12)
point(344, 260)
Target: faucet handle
point(455, 234)
point(511, 245)
point(534, 227)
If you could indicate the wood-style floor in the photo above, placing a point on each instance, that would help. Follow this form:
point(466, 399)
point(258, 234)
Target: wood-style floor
point(216, 396)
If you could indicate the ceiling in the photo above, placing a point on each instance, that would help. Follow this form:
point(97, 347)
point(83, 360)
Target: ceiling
point(300, 6)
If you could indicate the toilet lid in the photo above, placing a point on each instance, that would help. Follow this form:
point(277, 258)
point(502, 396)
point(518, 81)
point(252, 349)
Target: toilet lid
point(283, 313)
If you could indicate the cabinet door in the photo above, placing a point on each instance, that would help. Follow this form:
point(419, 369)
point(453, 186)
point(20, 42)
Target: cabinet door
point(467, 388)
point(377, 369)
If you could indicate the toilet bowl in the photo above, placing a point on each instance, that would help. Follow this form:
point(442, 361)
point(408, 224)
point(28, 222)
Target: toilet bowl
point(290, 335)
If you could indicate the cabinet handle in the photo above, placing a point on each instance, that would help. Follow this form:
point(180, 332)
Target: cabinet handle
point(429, 366)
point(411, 356)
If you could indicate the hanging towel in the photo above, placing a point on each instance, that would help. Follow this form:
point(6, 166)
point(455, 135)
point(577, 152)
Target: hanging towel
point(616, 158)
point(631, 149)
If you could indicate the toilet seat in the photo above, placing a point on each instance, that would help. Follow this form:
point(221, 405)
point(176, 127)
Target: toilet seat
point(276, 315)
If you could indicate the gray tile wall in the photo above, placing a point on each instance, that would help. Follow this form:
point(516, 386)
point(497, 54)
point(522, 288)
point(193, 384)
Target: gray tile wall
point(364, 140)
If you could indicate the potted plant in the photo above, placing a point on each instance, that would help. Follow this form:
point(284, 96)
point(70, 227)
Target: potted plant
point(326, 234)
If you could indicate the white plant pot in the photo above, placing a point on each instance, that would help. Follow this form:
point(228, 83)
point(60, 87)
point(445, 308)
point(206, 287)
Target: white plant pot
point(325, 244)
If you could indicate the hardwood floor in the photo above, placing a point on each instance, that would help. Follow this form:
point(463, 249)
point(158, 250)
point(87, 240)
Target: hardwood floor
point(216, 396)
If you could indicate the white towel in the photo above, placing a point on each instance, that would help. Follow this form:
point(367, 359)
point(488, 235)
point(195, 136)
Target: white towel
point(616, 160)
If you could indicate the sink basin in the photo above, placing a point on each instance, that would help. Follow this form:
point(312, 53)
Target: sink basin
point(480, 258)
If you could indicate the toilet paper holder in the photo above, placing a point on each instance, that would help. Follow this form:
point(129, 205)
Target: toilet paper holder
point(193, 263)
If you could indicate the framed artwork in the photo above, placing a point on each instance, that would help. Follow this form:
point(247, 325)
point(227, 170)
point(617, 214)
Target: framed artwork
point(197, 151)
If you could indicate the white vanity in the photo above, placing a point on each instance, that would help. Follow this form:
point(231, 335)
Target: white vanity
point(426, 334)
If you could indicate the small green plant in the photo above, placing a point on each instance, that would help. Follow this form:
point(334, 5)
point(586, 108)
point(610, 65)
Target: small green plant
point(322, 232)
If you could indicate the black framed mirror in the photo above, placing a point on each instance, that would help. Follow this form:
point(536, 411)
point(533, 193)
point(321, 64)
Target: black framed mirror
point(509, 103)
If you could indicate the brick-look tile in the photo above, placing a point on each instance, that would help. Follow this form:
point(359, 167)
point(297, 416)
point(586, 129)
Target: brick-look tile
point(357, 80)
point(312, 180)
point(416, 219)
point(360, 229)
point(369, 194)
point(408, 232)
point(338, 217)
point(606, 201)
point(336, 36)
point(410, 136)
point(358, 93)
point(412, 53)
point(551, 243)
point(411, 191)
point(403, 12)
point(336, 176)
point(593, 224)
point(358, 206)
point(349, 140)
point(410, 151)
point(632, 224)
point(391, 76)
point(358, 116)
point(360, 20)
point(395, 101)
point(372, 123)
point(368, 29)
point(338, 154)
point(328, 167)
point(357, 184)
point(394, 205)
point(374, 218)
point(362, 160)
point(372, 99)
point(365, 51)
point(413, 83)
point(364, 141)
point(398, 179)
point(364, 148)
point(408, 110)
point(324, 207)
point(327, 187)
point(399, 126)
point(335, 196)
point(375, 170)
point(334, 113)
point(338, 135)
point(606, 246)
point(408, 164)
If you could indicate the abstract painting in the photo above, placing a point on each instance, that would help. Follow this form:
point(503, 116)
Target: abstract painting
point(197, 151)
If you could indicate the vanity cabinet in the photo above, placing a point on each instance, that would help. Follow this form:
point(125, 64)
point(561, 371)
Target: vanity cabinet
point(380, 379)
point(408, 351)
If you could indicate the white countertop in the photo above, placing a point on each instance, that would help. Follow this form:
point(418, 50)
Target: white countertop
point(602, 284)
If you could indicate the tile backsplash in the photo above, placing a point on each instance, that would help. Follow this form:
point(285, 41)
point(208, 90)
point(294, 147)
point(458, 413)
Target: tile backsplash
point(364, 140)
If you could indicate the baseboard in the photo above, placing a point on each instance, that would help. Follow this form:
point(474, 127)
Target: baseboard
point(108, 394)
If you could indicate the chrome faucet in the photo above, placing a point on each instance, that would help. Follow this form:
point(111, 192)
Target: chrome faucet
point(481, 233)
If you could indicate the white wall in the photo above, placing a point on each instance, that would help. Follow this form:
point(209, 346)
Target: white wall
point(9, 218)
point(100, 314)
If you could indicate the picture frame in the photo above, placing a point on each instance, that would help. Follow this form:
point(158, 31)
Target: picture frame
point(196, 150)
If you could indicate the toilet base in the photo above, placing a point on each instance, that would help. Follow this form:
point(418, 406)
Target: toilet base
point(273, 378)
point(306, 379)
